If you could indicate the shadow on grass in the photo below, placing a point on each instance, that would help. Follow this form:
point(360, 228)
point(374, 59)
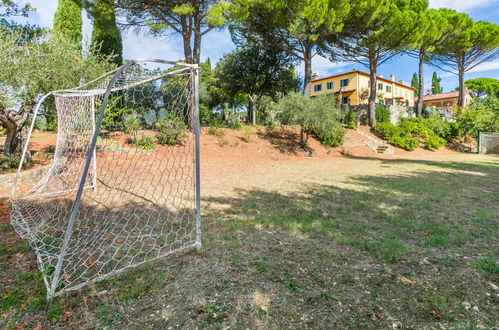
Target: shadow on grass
point(392, 217)
point(368, 252)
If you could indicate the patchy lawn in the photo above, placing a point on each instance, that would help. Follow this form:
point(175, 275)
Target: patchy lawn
point(337, 243)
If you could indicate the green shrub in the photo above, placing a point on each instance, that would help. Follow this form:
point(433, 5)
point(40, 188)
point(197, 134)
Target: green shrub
point(172, 129)
point(332, 136)
point(216, 131)
point(351, 118)
point(235, 121)
point(382, 114)
point(145, 142)
point(481, 115)
point(434, 142)
point(387, 130)
point(150, 117)
point(132, 124)
point(405, 142)
point(205, 115)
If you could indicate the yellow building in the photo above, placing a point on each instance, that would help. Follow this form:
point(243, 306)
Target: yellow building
point(447, 101)
point(353, 88)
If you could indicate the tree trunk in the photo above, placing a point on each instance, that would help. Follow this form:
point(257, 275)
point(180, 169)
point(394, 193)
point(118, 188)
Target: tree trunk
point(372, 92)
point(307, 59)
point(252, 111)
point(460, 100)
point(419, 104)
point(14, 123)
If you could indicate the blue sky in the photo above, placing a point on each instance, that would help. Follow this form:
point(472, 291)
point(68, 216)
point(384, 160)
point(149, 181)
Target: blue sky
point(218, 43)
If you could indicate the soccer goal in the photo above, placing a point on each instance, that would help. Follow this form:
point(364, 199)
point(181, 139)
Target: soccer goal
point(488, 143)
point(123, 187)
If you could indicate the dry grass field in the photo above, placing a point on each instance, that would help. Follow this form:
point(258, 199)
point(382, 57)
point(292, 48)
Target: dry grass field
point(343, 239)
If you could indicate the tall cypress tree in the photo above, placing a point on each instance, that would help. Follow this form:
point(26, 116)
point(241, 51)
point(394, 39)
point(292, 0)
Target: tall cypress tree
point(68, 21)
point(106, 38)
point(435, 84)
point(415, 84)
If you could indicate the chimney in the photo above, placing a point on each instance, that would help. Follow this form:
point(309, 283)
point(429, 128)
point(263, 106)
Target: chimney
point(428, 92)
point(392, 77)
point(315, 76)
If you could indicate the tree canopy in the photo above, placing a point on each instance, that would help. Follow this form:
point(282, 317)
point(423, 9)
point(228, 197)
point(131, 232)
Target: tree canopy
point(375, 32)
point(68, 21)
point(476, 43)
point(435, 84)
point(189, 19)
point(255, 71)
point(293, 26)
point(106, 38)
point(483, 86)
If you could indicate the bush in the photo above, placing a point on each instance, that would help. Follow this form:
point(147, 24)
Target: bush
point(172, 129)
point(396, 136)
point(481, 115)
point(205, 115)
point(382, 114)
point(234, 121)
point(434, 142)
point(216, 131)
point(318, 115)
point(405, 142)
point(132, 124)
point(351, 118)
point(145, 142)
point(150, 117)
point(331, 136)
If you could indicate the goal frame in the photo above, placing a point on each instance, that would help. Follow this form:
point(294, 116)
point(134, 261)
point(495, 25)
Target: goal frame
point(91, 159)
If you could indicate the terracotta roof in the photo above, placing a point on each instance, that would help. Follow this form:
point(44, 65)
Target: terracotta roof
point(365, 74)
point(445, 95)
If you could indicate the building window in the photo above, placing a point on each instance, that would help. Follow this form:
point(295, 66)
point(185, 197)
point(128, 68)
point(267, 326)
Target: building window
point(388, 89)
point(381, 101)
point(318, 88)
point(380, 86)
point(346, 100)
point(344, 82)
point(330, 85)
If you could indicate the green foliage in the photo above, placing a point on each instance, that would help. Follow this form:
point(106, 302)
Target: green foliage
point(409, 132)
point(254, 71)
point(132, 123)
point(382, 114)
point(435, 84)
point(351, 118)
point(150, 117)
point(171, 129)
point(396, 135)
point(234, 121)
point(483, 86)
point(106, 38)
point(444, 129)
point(205, 115)
point(332, 136)
point(415, 84)
point(216, 131)
point(145, 142)
point(318, 115)
point(68, 21)
point(481, 115)
point(489, 264)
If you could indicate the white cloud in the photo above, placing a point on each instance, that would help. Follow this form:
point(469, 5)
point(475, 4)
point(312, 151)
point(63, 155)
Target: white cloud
point(487, 66)
point(461, 5)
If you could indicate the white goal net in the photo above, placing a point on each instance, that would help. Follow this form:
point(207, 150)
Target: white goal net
point(488, 143)
point(123, 186)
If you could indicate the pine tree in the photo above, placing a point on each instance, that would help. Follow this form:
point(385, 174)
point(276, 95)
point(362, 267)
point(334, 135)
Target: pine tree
point(435, 84)
point(415, 84)
point(68, 21)
point(106, 38)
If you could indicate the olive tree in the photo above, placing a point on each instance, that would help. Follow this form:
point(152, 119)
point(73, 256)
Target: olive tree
point(31, 68)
